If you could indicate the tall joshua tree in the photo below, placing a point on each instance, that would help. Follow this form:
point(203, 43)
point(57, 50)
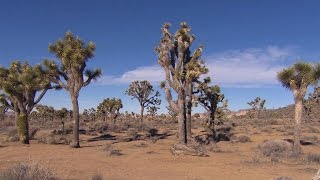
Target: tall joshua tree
point(73, 54)
point(20, 84)
point(297, 78)
point(209, 97)
point(182, 68)
point(110, 108)
point(142, 91)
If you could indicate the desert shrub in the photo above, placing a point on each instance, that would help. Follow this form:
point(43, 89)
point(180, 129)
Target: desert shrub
point(132, 132)
point(213, 147)
point(110, 151)
point(243, 139)
point(256, 159)
point(99, 126)
point(153, 132)
point(275, 148)
point(282, 178)
point(266, 129)
point(97, 177)
point(55, 139)
point(313, 130)
point(313, 139)
point(13, 135)
point(31, 171)
point(141, 145)
point(313, 158)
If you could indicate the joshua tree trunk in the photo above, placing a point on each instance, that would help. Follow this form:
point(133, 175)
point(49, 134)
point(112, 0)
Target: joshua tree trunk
point(188, 112)
point(182, 119)
point(141, 113)
point(188, 121)
point(16, 117)
point(23, 127)
point(62, 122)
point(211, 123)
point(75, 112)
point(297, 130)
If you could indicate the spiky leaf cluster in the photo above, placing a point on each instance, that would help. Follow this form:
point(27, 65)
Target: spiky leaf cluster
point(20, 83)
point(300, 75)
point(73, 54)
point(175, 57)
point(209, 96)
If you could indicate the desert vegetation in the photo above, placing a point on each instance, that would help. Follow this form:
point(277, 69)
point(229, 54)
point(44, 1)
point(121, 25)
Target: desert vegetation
point(116, 144)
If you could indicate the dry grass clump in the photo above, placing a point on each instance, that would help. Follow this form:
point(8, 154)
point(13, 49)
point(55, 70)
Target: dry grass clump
point(213, 147)
point(313, 158)
point(55, 139)
point(97, 176)
point(243, 138)
point(110, 151)
point(313, 130)
point(13, 134)
point(276, 149)
point(312, 139)
point(30, 171)
point(282, 178)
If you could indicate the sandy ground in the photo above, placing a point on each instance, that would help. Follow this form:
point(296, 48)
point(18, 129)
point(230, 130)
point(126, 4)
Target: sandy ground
point(155, 161)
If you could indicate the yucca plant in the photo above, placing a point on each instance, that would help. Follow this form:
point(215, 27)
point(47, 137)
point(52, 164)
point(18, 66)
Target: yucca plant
point(110, 108)
point(143, 92)
point(73, 54)
point(209, 97)
point(297, 78)
point(182, 68)
point(20, 84)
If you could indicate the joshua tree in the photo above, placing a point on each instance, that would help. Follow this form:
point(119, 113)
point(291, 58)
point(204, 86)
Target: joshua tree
point(257, 104)
point(20, 84)
point(209, 97)
point(142, 91)
point(45, 112)
point(62, 115)
point(152, 110)
point(310, 103)
point(297, 78)
point(110, 107)
point(73, 54)
point(181, 69)
point(3, 110)
point(90, 114)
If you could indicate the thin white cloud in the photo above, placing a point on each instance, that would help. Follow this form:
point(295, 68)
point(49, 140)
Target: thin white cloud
point(235, 68)
point(150, 73)
point(248, 68)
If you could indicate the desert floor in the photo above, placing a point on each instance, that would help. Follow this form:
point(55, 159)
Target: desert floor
point(143, 159)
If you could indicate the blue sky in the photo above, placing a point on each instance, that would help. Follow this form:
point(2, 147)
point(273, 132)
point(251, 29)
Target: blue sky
point(245, 42)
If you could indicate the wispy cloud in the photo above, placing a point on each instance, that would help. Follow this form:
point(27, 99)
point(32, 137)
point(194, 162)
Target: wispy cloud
point(250, 67)
point(150, 73)
point(235, 68)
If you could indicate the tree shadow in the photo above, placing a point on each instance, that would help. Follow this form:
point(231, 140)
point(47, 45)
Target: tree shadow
point(302, 142)
point(103, 137)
